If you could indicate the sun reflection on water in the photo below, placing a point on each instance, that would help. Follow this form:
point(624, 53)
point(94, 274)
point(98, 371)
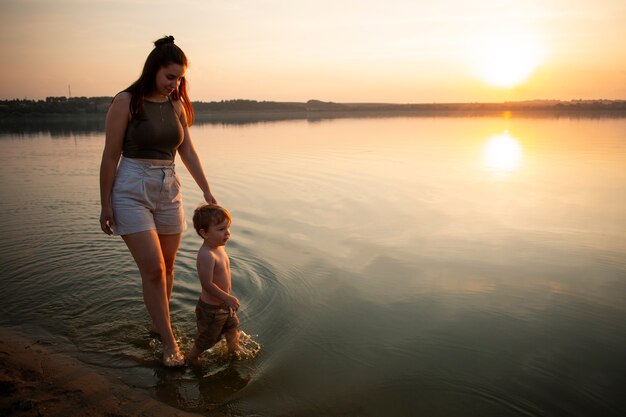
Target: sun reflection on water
point(502, 153)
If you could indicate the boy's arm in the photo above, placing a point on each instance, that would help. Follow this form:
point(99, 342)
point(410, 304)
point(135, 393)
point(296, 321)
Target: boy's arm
point(229, 300)
point(206, 266)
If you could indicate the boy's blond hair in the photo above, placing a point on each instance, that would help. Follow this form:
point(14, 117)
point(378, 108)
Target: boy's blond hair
point(207, 215)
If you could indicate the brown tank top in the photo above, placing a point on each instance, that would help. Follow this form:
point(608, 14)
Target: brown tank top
point(155, 136)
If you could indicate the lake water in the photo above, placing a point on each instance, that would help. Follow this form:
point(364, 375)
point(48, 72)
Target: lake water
point(385, 266)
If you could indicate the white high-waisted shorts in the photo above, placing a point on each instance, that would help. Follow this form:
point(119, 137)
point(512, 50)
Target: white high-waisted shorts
point(146, 196)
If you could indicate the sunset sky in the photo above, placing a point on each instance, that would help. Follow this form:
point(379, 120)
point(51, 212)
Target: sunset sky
point(333, 50)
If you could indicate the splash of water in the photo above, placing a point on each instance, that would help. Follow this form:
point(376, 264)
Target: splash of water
point(248, 349)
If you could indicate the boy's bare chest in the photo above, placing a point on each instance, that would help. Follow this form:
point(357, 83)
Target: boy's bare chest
point(222, 267)
point(221, 270)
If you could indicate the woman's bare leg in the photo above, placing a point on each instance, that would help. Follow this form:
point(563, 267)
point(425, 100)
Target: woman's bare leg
point(147, 251)
point(169, 248)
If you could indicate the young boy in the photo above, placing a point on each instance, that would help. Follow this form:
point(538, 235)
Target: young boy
point(215, 311)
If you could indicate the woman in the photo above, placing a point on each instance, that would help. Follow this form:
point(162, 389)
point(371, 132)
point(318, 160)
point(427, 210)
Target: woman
point(139, 190)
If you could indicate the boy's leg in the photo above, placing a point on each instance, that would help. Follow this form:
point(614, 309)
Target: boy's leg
point(192, 354)
point(232, 340)
point(209, 327)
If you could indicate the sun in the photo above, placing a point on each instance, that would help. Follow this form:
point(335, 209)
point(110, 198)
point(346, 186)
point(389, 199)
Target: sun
point(506, 58)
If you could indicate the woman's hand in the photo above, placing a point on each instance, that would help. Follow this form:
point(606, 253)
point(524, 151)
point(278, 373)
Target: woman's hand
point(208, 197)
point(190, 158)
point(107, 221)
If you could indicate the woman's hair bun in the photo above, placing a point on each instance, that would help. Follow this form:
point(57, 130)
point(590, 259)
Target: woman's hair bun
point(164, 40)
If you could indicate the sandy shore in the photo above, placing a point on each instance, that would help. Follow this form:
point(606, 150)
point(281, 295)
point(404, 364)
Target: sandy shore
point(36, 381)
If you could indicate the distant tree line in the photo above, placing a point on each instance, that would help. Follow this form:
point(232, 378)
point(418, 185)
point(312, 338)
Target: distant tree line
point(240, 105)
point(55, 105)
point(99, 105)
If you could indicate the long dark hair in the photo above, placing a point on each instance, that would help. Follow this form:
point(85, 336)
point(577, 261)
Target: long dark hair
point(163, 54)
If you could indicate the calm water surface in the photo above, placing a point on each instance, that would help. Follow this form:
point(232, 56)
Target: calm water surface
point(391, 266)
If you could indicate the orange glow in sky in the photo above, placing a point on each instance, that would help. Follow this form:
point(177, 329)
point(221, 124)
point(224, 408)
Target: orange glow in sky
point(402, 51)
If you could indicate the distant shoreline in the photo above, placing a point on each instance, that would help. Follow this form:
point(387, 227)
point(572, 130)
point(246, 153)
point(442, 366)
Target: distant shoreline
point(86, 115)
point(269, 110)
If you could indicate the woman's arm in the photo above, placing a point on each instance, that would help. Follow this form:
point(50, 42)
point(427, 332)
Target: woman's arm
point(190, 158)
point(115, 128)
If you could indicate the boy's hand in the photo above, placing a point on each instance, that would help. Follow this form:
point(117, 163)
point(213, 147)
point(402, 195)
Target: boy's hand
point(233, 303)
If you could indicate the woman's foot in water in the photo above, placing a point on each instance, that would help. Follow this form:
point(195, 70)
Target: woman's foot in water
point(172, 357)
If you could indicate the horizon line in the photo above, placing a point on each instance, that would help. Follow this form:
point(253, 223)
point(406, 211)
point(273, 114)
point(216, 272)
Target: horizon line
point(535, 100)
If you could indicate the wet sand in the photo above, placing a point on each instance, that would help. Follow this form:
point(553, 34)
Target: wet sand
point(36, 381)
